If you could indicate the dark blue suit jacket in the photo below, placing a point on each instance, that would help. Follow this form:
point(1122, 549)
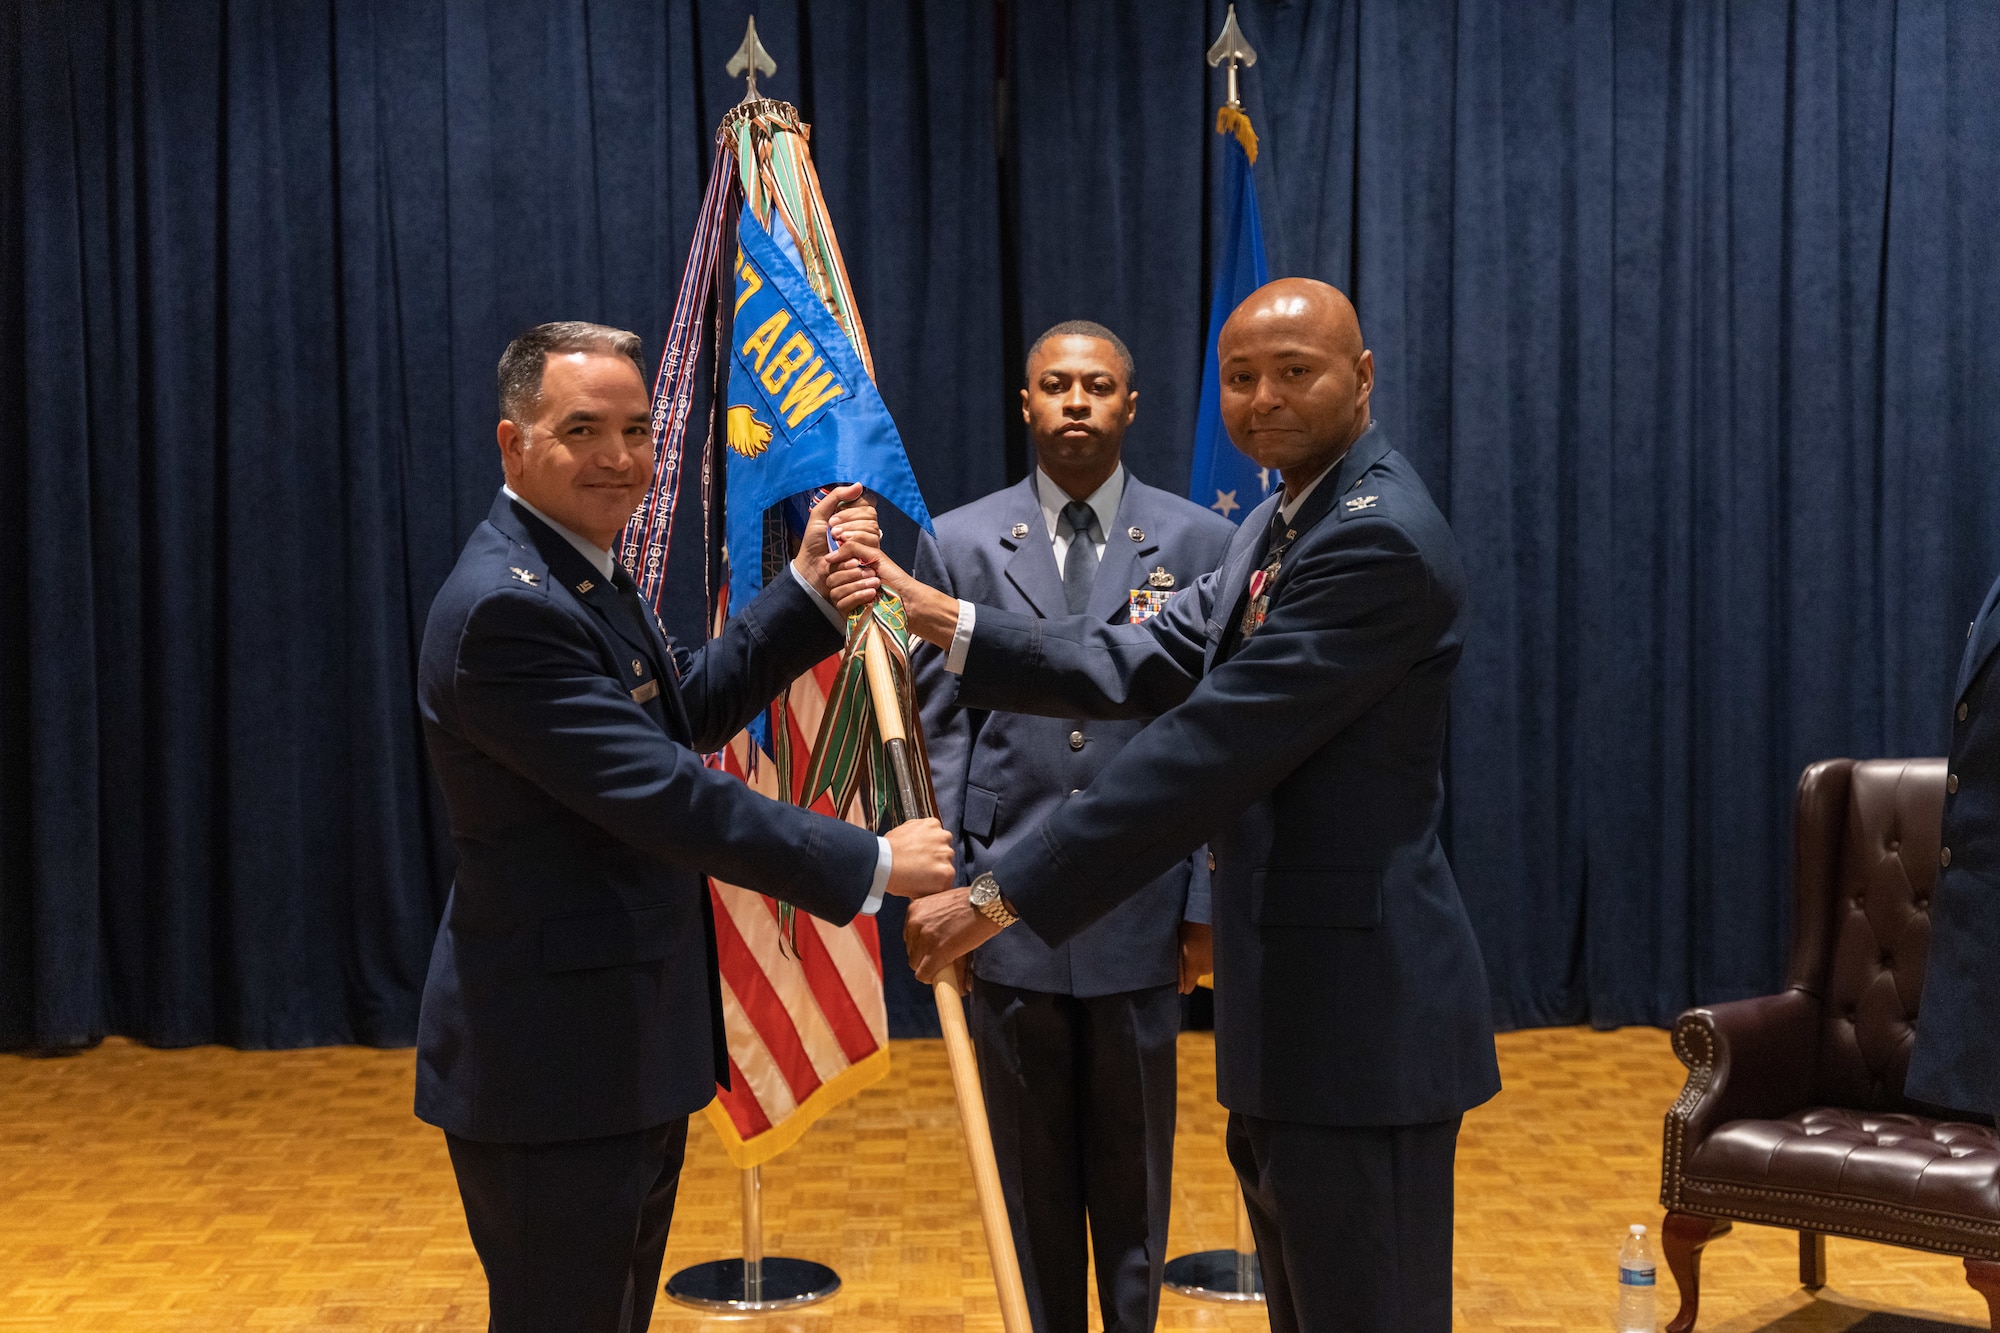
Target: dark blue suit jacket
point(1956, 1062)
point(999, 775)
point(573, 986)
point(1349, 987)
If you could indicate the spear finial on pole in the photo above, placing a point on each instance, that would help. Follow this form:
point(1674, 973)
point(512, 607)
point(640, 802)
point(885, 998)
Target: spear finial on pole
point(1230, 46)
point(751, 59)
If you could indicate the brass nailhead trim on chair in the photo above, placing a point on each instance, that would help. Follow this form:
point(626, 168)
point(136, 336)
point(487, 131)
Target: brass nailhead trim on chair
point(1701, 1072)
point(1693, 1032)
point(1861, 1233)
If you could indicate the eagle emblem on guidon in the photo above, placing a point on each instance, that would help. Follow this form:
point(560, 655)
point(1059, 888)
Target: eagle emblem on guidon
point(747, 435)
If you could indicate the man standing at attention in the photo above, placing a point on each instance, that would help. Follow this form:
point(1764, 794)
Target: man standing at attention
point(1300, 696)
point(1076, 1039)
point(571, 1019)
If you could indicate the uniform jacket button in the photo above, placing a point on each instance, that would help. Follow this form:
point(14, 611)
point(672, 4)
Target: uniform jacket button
point(1944, 856)
point(1076, 740)
point(1961, 712)
point(1951, 783)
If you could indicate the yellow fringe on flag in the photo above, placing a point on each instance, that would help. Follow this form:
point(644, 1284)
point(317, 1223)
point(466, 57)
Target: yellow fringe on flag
point(744, 1155)
point(1233, 120)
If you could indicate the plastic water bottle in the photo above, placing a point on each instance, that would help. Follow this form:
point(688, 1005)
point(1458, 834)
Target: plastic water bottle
point(1635, 1283)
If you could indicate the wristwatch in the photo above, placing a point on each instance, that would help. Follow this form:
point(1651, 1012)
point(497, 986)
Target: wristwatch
point(987, 900)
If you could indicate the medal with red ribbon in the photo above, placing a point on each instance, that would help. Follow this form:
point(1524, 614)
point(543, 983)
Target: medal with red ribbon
point(1261, 584)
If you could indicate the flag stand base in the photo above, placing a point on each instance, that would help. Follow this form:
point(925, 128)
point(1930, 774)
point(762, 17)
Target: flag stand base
point(754, 1283)
point(778, 1284)
point(1220, 1275)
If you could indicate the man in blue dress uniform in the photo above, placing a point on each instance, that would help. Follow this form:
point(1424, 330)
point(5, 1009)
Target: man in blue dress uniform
point(1956, 1062)
point(1300, 697)
point(571, 1019)
point(1076, 1040)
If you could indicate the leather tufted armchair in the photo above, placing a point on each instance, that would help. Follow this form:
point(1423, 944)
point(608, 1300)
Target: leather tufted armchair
point(1793, 1114)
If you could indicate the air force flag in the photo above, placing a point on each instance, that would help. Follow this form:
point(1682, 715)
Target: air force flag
point(803, 412)
point(1223, 478)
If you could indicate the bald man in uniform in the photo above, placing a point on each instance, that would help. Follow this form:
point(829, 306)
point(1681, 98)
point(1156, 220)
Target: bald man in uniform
point(1300, 693)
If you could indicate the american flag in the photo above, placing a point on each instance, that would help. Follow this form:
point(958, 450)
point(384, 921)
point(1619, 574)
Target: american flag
point(805, 1017)
point(802, 1000)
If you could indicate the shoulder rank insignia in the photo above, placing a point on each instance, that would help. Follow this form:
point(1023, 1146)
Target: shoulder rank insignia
point(1159, 578)
point(527, 576)
point(1018, 531)
point(1361, 502)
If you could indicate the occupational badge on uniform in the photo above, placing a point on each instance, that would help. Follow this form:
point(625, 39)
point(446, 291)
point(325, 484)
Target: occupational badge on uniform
point(637, 668)
point(1361, 502)
point(1145, 603)
point(527, 576)
point(1136, 533)
point(1159, 578)
point(1019, 531)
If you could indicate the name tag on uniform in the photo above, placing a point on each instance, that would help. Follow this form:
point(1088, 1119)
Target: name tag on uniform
point(649, 691)
point(1145, 603)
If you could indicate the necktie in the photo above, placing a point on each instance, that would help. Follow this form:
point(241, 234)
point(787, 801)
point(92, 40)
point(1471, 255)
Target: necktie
point(1256, 599)
point(1080, 564)
point(633, 611)
point(1271, 535)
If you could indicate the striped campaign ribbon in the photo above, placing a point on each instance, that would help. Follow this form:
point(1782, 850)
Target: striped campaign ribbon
point(649, 533)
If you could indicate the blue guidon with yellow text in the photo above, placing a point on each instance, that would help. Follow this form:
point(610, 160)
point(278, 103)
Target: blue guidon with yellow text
point(803, 412)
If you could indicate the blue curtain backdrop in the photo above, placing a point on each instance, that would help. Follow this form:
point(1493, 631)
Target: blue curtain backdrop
point(261, 259)
point(1685, 312)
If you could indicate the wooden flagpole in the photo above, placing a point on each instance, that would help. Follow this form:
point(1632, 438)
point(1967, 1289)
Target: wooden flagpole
point(913, 789)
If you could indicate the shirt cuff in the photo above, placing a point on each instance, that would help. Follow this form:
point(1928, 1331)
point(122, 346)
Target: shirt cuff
point(839, 621)
point(885, 861)
point(961, 638)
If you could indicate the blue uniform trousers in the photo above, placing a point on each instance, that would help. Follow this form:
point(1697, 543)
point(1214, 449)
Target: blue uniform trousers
point(1080, 1093)
point(1353, 1223)
point(571, 1233)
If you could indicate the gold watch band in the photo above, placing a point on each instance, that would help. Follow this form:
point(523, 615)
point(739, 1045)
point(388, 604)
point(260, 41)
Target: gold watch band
point(990, 904)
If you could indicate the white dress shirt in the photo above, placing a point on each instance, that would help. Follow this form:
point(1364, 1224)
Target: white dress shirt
point(1287, 508)
point(601, 561)
point(968, 614)
point(1103, 503)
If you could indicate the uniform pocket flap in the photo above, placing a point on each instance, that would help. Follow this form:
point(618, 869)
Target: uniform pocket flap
point(607, 939)
point(981, 806)
point(1348, 897)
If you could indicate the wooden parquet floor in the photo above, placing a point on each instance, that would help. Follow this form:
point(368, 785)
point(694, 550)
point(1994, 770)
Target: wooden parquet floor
point(212, 1189)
